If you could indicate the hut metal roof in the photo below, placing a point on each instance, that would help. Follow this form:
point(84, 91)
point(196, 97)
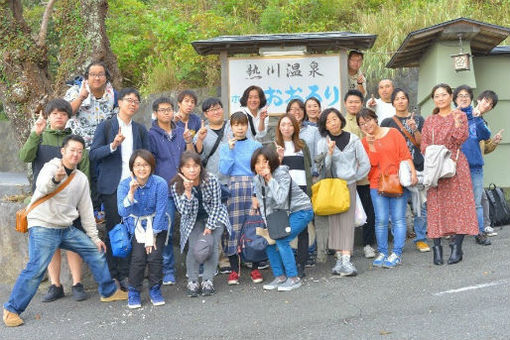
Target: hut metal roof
point(318, 42)
point(484, 38)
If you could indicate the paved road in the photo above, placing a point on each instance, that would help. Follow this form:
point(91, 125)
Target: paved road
point(417, 300)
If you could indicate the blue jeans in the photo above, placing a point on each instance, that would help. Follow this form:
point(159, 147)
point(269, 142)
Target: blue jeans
point(280, 254)
point(42, 244)
point(383, 208)
point(477, 180)
point(168, 251)
point(420, 222)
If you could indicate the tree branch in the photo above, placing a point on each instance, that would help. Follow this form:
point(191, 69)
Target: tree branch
point(44, 24)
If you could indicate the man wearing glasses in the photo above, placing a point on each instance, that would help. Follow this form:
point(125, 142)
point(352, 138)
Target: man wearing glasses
point(114, 141)
point(167, 143)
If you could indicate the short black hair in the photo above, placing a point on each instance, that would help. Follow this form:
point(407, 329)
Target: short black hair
point(58, 104)
point(162, 100)
point(269, 153)
point(238, 117)
point(324, 117)
point(262, 96)
point(355, 52)
point(210, 102)
point(489, 94)
point(127, 91)
point(98, 63)
point(396, 91)
point(75, 138)
point(356, 93)
point(457, 90)
point(366, 114)
point(187, 93)
point(146, 155)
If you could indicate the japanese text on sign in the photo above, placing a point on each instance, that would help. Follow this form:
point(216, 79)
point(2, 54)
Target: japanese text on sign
point(286, 78)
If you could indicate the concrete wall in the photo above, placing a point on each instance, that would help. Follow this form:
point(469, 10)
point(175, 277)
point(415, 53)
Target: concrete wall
point(9, 149)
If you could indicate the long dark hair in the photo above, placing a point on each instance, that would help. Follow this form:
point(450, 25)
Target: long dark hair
point(186, 156)
point(434, 89)
point(298, 144)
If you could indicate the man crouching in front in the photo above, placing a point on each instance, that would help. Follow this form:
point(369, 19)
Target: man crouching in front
point(51, 227)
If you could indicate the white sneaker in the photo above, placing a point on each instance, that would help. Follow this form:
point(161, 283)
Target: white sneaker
point(369, 251)
point(489, 231)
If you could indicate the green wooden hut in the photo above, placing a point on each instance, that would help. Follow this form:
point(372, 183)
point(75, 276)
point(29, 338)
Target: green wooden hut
point(440, 52)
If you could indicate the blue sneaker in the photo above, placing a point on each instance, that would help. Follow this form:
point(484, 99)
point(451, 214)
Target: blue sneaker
point(392, 261)
point(134, 298)
point(379, 260)
point(169, 279)
point(155, 296)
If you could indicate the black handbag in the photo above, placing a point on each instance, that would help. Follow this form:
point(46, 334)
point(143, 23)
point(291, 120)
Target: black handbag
point(278, 224)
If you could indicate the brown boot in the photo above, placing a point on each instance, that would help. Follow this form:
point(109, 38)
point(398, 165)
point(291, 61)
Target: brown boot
point(119, 295)
point(12, 319)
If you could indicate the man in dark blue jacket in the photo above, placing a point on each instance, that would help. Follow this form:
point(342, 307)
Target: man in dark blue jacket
point(114, 141)
point(167, 144)
point(478, 131)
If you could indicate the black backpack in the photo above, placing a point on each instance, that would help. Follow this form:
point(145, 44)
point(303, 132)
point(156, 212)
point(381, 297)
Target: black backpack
point(499, 212)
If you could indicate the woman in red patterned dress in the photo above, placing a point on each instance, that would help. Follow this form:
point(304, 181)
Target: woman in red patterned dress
point(450, 205)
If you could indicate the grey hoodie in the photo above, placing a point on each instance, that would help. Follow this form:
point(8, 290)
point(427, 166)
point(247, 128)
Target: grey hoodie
point(351, 165)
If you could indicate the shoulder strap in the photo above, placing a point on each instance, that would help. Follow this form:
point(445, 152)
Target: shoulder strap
point(215, 146)
point(47, 197)
point(264, 196)
point(108, 127)
point(252, 127)
point(405, 132)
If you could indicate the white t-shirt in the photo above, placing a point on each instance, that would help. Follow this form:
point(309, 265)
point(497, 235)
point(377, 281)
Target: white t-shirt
point(382, 109)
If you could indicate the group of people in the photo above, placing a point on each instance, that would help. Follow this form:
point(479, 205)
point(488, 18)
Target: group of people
point(206, 177)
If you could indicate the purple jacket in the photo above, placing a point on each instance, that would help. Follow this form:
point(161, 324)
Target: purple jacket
point(166, 149)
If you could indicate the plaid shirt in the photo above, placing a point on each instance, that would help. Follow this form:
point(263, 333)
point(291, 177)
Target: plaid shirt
point(188, 208)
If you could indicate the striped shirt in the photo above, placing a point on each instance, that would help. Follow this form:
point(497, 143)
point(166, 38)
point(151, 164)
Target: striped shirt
point(296, 163)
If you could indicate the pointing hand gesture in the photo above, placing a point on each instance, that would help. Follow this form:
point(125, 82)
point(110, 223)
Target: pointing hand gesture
point(188, 136)
point(60, 174)
point(119, 138)
point(331, 146)
point(202, 132)
point(40, 124)
point(372, 101)
point(231, 142)
point(84, 93)
point(412, 123)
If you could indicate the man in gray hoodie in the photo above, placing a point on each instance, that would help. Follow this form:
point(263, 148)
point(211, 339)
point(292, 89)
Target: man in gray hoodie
point(51, 227)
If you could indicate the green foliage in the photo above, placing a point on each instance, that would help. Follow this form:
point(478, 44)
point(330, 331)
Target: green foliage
point(152, 38)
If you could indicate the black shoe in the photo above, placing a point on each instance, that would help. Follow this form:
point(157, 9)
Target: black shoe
point(79, 293)
point(301, 270)
point(310, 261)
point(263, 265)
point(438, 255)
point(455, 255)
point(193, 289)
point(53, 293)
point(482, 239)
point(225, 270)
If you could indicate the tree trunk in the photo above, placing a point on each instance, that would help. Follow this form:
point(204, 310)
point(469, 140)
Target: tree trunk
point(26, 84)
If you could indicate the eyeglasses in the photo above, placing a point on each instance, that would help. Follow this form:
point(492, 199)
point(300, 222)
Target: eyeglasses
point(464, 96)
point(166, 110)
point(132, 101)
point(365, 123)
point(97, 75)
point(214, 109)
point(140, 165)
